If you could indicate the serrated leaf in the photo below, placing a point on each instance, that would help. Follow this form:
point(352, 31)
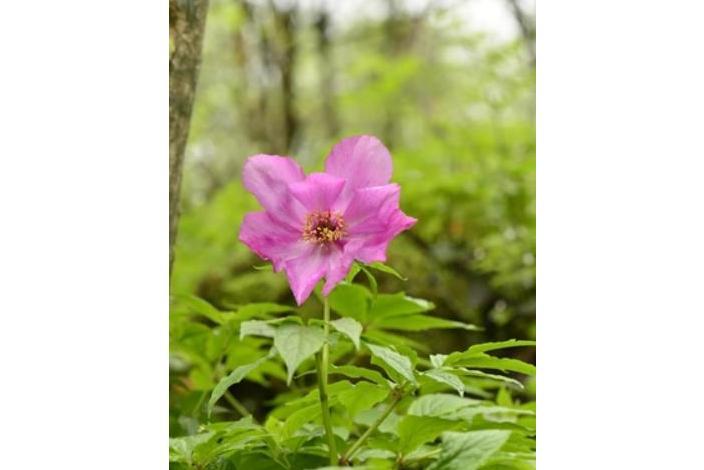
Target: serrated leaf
point(181, 448)
point(484, 361)
point(362, 396)
point(360, 372)
point(296, 343)
point(483, 375)
point(256, 328)
point(418, 322)
point(391, 360)
point(232, 378)
point(437, 360)
point(414, 431)
point(350, 300)
point(446, 378)
point(468, 450)
point(511, 343)
point(349, 327)
point(440, 405)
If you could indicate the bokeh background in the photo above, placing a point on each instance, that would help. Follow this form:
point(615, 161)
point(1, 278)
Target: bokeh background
point(448, 86)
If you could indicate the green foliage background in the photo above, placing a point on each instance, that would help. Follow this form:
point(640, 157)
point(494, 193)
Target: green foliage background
point(456, 109)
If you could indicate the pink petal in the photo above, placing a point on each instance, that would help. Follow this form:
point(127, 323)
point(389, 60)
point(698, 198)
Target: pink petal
point(373, 247)
point(268, 177)
point(362, 161)
point(338, 266)
point(319, 191)
point(373, 219)
point(305, 271)
point(369, 208)
point(270, 239)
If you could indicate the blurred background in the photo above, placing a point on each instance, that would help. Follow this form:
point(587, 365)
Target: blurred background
point(448, 86)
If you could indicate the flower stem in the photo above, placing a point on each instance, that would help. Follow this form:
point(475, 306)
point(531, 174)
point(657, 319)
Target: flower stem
point(322, 362)
point(350, 452)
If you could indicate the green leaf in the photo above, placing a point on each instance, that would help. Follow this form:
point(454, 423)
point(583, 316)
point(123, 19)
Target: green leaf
point(232, 378)
point(360, 372)
point(440, 405)
point(362, 396)
point(446, 378)
point(349, 327)
point(354, 270)
point(483, 375)
point(437, 360)
point(379, 266)
point(468, 450)
point(511, 343)
point(296, 343)
point(390, 360)
point(419, 323)
point(393, 339)
point(201, 307)
point(373, 285)
point(350, 300)
point(256, 328)
point(387, 305)
point(414, 431)
point(181, 448)
point(299, 417)
point(261, 310)
point(484, 361)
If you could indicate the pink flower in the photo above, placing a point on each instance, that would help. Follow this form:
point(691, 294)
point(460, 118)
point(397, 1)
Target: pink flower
point(315, 226)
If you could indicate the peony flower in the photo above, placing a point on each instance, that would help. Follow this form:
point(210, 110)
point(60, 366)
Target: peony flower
point(316, 226)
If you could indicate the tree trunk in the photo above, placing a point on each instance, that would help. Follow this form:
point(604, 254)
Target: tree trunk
point(327, 74)
point(186, 27)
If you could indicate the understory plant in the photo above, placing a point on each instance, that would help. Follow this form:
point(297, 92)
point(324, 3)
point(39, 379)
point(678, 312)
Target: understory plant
point(360, 393)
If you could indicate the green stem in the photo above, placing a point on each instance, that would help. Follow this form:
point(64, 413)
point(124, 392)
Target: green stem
point(236, 404)
point(323, 359)
point(355, 447)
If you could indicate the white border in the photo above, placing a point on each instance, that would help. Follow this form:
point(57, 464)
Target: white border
point(620, 234)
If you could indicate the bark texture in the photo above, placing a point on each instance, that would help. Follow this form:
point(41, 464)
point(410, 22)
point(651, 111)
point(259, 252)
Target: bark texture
point(186, 28)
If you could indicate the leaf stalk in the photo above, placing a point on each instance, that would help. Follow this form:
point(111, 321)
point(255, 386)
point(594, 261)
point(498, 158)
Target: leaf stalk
point(347, 456)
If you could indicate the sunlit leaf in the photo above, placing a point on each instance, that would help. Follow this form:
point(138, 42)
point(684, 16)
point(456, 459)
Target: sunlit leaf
point(468, 450)
point(392, 361)
point(446, 378)
point(350, 328)
point(296, 343)
point(414, 431)
point(256, 328)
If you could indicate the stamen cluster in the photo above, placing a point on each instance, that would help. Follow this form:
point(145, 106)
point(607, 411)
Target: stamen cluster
point(324, 227)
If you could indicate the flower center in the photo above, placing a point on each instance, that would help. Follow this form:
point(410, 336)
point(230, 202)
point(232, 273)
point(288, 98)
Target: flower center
point(323, 227)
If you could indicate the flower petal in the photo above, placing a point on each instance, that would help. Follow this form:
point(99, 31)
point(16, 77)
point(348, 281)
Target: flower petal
point(372, 247)
point(373, 219)
point(270, 239)
point(268, 177)
point(338, 266)
point(319, 191)
point(362, 161)
point(369, 208)
point(305, 271)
